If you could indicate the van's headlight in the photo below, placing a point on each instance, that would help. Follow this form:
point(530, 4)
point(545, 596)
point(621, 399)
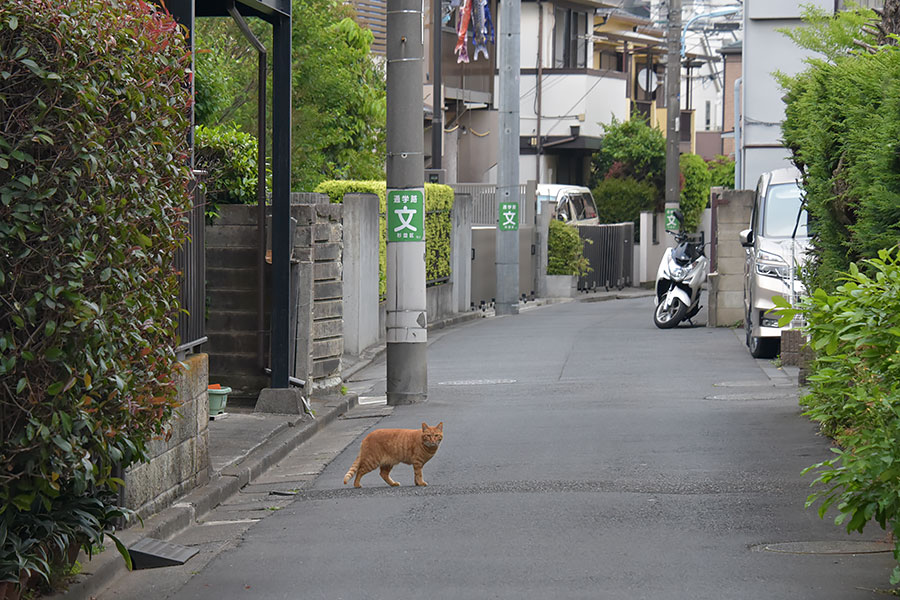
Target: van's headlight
point(771, 265)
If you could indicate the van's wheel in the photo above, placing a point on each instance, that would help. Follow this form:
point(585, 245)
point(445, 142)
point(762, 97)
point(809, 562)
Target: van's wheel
point(671, 317)
point(764, 347)
point(760, 347)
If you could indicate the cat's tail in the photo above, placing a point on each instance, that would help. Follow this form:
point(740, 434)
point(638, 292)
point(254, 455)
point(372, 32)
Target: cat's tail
point(352, 471)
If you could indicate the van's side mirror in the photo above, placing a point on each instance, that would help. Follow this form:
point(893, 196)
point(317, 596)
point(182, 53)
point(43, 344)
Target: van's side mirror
point(746, 238)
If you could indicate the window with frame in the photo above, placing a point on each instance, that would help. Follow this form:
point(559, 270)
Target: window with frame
point(570, 38)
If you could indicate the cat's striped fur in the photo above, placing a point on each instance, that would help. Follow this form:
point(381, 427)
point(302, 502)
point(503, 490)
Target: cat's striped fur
point(386, 448)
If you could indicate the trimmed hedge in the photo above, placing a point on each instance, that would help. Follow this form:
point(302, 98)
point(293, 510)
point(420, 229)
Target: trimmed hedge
point(228, 155)
point(623, 200)
point(565, 251)
point(93, 192)
point(438, 204)
point(721, 172)
point(841, 126)
point(695, 189)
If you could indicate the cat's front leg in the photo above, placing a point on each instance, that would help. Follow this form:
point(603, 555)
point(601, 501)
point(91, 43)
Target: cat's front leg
point(417, 469)
point(386, 475)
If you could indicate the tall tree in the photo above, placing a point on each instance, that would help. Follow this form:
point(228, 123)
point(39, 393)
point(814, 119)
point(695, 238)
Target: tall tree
point(338, 90)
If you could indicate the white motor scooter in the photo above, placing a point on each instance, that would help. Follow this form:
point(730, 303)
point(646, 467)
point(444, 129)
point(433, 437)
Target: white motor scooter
point(681, 273)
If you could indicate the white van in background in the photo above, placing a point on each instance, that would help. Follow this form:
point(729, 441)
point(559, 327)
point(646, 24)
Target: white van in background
point(776, 244)
point(574, 203)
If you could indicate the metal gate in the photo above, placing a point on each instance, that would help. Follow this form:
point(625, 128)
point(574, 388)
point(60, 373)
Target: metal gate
point(610, 254)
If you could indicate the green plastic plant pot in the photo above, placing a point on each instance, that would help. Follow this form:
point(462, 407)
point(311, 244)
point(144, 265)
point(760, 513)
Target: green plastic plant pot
point(218, 398)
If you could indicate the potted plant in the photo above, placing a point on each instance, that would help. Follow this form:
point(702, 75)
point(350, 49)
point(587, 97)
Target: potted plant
point(218, 398)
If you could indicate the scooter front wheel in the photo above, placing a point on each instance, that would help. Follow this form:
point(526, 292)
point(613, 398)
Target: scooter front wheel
point(666, 318)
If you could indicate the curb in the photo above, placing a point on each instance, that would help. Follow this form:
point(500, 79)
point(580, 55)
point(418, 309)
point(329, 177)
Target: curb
point(102, 569)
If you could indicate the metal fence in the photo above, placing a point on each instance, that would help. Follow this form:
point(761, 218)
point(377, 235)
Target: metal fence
point(610, 254)
point(191, 265)
point(484, 202)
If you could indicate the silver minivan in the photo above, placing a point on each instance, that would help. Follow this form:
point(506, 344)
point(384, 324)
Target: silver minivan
point(776, 244)
point(573, 203)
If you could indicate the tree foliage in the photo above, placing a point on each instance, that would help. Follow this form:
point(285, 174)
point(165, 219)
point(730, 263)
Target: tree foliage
point(841, 126)
point(338, 102)
point(632, 149)
point(93, 192)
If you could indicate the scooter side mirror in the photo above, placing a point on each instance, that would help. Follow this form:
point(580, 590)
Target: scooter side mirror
point(746, 238)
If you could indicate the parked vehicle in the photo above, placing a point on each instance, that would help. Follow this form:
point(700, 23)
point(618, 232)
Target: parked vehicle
point(573, 203)
point(776, 244)
point(680, 276)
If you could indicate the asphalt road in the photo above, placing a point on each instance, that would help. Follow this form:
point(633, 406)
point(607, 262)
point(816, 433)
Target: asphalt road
point(586, 454)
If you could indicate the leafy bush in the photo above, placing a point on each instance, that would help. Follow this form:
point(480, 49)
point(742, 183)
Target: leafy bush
point(695, 190)
point(93, 189)
point(565, 251)
point(622, 200)
point(841, 126)
point(229, 158)
point(721, 172)
point(632, 149)
point(438, 204)
point(854, 394)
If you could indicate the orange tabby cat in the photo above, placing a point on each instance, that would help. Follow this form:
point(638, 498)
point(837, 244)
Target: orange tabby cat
point(387, 447)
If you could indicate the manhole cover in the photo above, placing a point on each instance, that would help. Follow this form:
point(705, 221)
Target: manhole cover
point(840, 547)
point(477, 382)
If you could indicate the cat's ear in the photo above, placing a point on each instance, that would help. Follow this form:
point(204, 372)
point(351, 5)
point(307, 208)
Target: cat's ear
point(440, 426)
point(424, 427)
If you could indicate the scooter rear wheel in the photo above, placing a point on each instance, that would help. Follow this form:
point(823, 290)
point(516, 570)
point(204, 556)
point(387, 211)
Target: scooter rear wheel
point(667, 318)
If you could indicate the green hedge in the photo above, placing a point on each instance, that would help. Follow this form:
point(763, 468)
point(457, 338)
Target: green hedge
point(623, 200)
point(93, 193)
point(438, 203)
point(565, 251)
point(854, 393)
point(695, 189)
point(721, 172)
point(228, 155)
point(841, 126)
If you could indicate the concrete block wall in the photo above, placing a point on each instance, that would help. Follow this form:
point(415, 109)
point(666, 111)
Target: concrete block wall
point(360, 280)
point(231, 288)
point(727, 295)
point(317, 312)
point(181, 463)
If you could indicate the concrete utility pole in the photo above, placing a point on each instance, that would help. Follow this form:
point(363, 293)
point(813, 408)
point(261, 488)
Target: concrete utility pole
point(673, 109)
point(507, 300)
point(407, 369)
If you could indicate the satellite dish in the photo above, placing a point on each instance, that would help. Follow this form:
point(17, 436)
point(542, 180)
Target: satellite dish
point(642, 80)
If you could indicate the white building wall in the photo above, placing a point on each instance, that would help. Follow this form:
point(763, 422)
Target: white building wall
point(765, 51)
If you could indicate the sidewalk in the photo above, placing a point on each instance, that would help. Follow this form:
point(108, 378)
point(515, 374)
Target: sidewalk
point(245, 444)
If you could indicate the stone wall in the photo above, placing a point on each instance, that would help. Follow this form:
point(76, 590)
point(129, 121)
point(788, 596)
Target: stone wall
point(318, 248)
point(181, 463)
